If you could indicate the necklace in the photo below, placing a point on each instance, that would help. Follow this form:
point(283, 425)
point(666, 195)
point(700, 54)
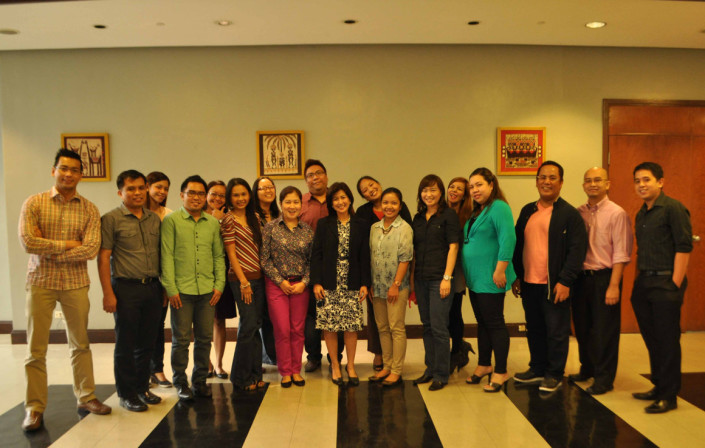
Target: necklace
point(386, 230)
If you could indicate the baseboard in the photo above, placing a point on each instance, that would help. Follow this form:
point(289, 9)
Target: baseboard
point(5, 326)
point(414, 331)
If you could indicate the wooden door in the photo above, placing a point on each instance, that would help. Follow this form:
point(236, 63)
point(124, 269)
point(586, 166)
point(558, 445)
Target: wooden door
point(671, 134)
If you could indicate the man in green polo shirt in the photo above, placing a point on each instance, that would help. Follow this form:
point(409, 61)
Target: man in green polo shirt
point(193, 274)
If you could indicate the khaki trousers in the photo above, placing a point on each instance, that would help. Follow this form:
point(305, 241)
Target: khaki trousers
point(40, 307)
point(392, 330)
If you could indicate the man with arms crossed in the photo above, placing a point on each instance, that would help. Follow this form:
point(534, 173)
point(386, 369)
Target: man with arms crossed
point(664, 242)
point(549, 255)
point(130, 251)
point(596, 302)
point(60, 229)
point(193, 274)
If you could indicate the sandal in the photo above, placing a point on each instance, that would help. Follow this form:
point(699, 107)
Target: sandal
point(474, 379)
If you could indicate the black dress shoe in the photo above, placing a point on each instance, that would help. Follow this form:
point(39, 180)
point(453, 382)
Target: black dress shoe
point(422, 379)
point(202, 390)
point(312, 365)
point(661, 406)
point(436, 385)
point(184, 392)
point(650, 395)
point(149, 398)
point(133, 404)
point(579, 377)
point(599, 389)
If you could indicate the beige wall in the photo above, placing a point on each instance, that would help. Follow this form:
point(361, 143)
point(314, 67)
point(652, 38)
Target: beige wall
point(395, 112)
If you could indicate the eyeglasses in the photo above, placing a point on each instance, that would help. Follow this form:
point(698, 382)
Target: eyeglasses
point(267, 188)
point(217, 195)
point(65, 169)
point(318, 173)
point(545, 178)
point(200, 194)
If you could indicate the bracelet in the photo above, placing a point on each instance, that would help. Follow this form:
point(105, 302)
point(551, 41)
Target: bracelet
point(244, 286)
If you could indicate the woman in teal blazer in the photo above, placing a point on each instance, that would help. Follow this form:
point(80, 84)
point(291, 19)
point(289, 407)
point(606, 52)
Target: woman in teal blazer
point(488, 247)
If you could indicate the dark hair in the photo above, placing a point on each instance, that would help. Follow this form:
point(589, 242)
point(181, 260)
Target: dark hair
point(654, 167)
point(153, 178)
point(332, 190)
point(63, 152)
point(211, 184)
point(129, 174)
point(314, 162)
point(395, 191)
point(250, 214)
point(496, 193)
point(287, 191)
point(273, 207)
point(195, 178)
point(359, 190)
point(428, 181)
point(465, 206)
point(551, 163)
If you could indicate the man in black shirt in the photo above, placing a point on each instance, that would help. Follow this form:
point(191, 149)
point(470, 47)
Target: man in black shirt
point(664, 238)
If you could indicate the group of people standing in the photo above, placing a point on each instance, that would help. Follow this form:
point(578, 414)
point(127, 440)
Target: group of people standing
point(303, 268)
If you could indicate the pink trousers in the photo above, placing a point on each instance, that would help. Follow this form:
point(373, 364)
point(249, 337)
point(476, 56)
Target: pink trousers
point(288, 316)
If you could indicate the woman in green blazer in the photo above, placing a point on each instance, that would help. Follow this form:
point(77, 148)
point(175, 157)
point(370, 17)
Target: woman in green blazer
point(488, 247)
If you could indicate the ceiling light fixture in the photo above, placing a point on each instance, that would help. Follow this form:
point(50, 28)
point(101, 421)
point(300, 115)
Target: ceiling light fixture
point(100, 27)
point(8, 31)
point(595, 25)
point(350, 21)
point(224, 22)
point(474, 22)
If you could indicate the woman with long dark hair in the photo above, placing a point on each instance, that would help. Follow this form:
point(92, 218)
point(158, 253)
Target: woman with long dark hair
point(242, 237)
point(488, 247)
point(436, 235)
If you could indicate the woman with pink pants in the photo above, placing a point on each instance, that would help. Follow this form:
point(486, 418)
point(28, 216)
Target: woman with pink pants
point(286, 257)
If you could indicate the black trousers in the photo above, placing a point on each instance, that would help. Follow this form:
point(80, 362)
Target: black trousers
point(456, 326)
point(492, 333)
point(139, 308)
point(312, 337)
point(157, 362)
point(547, 330)
point(267, 332)
point(657, 305)
point(597, 326)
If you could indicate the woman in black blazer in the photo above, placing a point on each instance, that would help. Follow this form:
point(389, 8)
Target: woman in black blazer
point(340, 273)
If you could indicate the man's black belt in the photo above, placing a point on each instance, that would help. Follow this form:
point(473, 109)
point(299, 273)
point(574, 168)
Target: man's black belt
point(655, 273)
point(593, 272)
point(143, 281)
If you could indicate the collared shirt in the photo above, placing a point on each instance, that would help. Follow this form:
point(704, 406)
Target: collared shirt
point(47, 221)
point(245, 247)
point(287, 252)
point(387, 251)
point(432, 240)
point(312, 210)
point(536, 246)
point(193, 260)
point(610, 238)
point(134, 242)
point(661, 232)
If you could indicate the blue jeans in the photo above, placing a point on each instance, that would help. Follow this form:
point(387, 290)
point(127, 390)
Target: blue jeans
point(196, 311)
point(434, 313)
point(247, 362)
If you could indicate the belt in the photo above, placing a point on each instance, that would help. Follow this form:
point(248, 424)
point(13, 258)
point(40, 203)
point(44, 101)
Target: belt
point(655, 273)
point(143, 281)
point(293, 278)
point(593, 272)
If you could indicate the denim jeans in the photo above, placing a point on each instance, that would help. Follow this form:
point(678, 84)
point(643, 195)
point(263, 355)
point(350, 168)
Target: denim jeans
point(434, 313)
point(247, 362)
point(195, 310)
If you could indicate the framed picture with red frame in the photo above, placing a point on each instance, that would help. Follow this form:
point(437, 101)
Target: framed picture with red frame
point(520, 151)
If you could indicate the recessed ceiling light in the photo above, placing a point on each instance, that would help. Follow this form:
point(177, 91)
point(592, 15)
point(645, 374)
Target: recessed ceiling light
point(8, 31)
point(350, 21)
point(474, 22)
point(100, 27)
point(595, 25)
point(224, 22)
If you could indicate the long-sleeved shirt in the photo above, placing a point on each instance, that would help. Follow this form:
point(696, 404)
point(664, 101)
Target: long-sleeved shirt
point(47, 221)
point(287, 252)
point(193, 259)
point(610, 238)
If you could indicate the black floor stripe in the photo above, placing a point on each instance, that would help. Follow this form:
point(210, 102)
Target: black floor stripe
point(372, 416)
point(59, 416)
point(223, 420)
point(692, 388)
point(570, 417)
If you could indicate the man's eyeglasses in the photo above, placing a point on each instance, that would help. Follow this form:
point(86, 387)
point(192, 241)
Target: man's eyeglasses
point(65, 169)
point(318, 173)
point(200, 194)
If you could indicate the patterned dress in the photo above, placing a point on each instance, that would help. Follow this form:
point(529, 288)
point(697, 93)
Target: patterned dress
point(341, 310)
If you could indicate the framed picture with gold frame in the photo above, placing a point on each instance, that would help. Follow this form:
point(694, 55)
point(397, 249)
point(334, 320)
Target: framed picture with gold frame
point(94, 149)
point(520, 151)
point(280, 154)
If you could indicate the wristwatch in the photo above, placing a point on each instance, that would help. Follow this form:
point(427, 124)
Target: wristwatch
point(447, 277)
point(397, 283)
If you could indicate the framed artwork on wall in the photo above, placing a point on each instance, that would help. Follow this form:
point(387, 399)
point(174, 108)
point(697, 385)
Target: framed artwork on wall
point(94, 150)
point(280, 154)
point(520, 151)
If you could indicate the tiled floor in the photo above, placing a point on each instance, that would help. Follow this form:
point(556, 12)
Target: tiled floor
point(320, 415)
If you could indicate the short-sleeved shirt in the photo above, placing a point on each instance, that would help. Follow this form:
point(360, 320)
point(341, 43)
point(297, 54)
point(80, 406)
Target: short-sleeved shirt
point(134, 242)
point(661, 232)
point(387, 251)
point(245, 246)
point(536, 246)
point(312, 210)
point(610, 238)
point(287, 252)
point(432, 240)
point(47, 221)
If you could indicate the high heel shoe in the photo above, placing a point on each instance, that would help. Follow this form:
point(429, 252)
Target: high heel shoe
point(474, 379)
point(337, 381)
point(353, 380)
point(493, 387)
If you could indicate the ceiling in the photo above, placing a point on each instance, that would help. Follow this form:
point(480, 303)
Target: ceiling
point(166, 23)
